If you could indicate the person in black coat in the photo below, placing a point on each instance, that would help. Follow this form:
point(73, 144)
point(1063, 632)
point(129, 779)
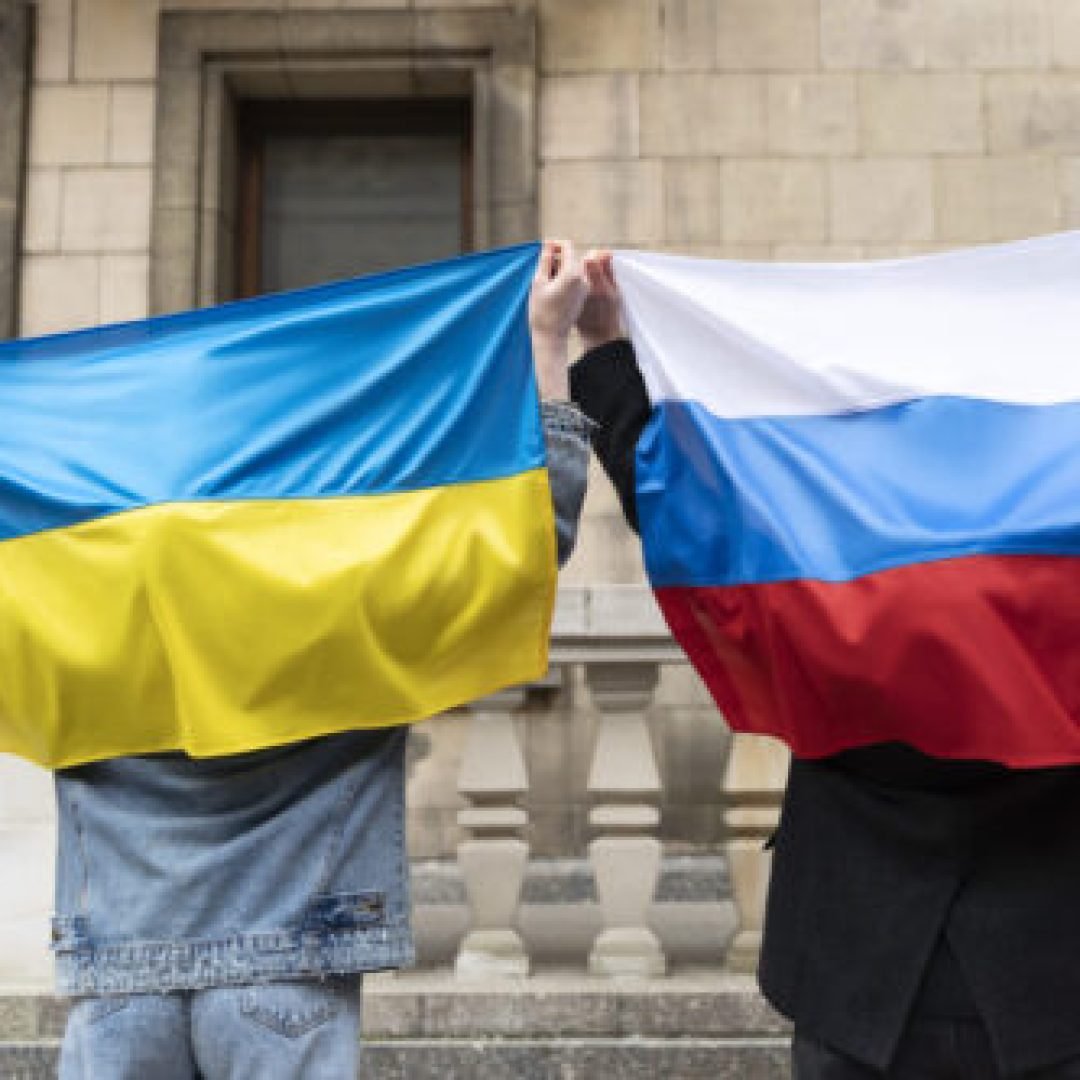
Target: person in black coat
point(923, 918)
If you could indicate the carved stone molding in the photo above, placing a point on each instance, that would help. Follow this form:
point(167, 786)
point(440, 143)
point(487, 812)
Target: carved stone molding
point(209, 60)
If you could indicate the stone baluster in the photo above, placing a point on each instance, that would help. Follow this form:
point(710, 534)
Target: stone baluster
point(753, 786)
point(624, 786)
point(493, 779)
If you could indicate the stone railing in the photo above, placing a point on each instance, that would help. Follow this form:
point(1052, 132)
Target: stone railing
point(617, 635)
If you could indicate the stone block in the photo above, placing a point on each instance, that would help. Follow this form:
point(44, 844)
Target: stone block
point(767, 35)
point(124, 287)
point(774, 202)
point(226, 5)
point(18, 1019)
point(69, 125)
point(417, 3)
point(52, 1014)
point(873, 33)
point(681, 687)
point(812, 114)
point(52, 41)
point(703, 1014)
point(689, 34)
point(1034, 113)
point(589, 116)
point(513, 223)
point(59, 292)
point(106, 210)
point(599, 35)
point(1069, 185)
point(756, 768)
point(693, 202)
point(615, 1059)
point(890, 252)
point(983, 199)
point(9, 263)
point(875, 201)
point(474, 1015)
point(41, 224)
point(817, 252)
point(15, 43)
point(26, 793)
point(909, 113)
point(625, 611)
point(510, 35)
point(115, 39)
point(335, 31)
point(607, 551)
point(700, 115)
point(601, 497)
point(29, 892)
point(26, 903)
point(513, 149)
point(179, 130)
point(394, 1016)
point(1065, 32)
point(131, 125)
point(603, 203)
point(987, 34)
point(173, 284)
point(186, 34)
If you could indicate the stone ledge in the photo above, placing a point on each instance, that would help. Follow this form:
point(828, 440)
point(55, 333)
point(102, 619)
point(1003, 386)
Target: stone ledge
point(578, 1060)
point(418, 1006)
point(690, 1059)
point(705, 1006)
point(683, 878)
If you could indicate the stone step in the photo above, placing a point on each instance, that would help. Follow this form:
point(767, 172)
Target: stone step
point(518, 1059)
point(28, 1061)
point(548, 1027)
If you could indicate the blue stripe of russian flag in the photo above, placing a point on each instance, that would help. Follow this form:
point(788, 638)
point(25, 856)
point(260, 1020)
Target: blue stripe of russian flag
point(832, 498)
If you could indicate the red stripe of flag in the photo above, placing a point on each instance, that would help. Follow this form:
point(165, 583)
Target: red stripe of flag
point(973, 657)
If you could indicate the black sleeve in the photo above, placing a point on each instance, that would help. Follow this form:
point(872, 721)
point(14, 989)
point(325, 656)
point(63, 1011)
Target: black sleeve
point(607, 387)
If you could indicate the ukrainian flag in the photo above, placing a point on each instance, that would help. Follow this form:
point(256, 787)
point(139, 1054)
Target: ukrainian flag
point(239, 527)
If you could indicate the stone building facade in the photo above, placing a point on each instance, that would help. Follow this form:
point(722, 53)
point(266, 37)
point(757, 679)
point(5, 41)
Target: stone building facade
point(757, 129)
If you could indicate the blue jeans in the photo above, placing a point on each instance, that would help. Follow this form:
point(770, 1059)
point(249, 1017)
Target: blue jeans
point(278, 1031)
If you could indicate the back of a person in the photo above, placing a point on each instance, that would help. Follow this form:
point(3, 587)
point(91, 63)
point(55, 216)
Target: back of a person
point(903, 882)
point(221, 863)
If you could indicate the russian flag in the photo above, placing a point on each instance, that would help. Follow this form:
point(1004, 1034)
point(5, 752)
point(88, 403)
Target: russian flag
point(249, 525)
point(859, 493)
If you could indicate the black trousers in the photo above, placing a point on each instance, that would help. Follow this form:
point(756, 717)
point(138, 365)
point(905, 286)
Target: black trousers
point(932, 1049)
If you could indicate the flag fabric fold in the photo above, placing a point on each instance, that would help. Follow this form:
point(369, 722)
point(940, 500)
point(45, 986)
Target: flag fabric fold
point(859, 493)
point(253, 524)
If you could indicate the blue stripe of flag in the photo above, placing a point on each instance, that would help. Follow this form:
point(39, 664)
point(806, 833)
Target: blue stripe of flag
point(396, 382)
point(832, 498)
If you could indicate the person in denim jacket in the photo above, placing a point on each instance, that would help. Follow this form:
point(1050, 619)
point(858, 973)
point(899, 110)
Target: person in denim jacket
point(214, 917)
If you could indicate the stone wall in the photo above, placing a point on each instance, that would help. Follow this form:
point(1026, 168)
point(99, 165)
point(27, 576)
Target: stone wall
point(784, 129)
point(15, 42)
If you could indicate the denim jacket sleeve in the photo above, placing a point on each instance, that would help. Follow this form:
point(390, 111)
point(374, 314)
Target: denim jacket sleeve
point(566, 433)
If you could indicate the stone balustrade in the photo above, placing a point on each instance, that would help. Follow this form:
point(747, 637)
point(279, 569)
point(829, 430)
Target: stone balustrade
point(617, 641)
